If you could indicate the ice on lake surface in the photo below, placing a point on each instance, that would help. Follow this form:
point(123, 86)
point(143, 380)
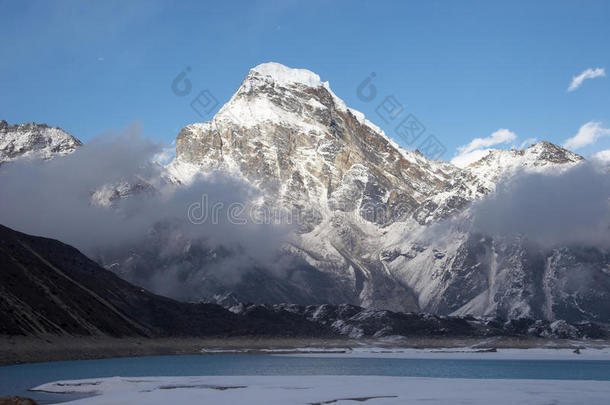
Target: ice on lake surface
point(287, 390)
point(435, 370)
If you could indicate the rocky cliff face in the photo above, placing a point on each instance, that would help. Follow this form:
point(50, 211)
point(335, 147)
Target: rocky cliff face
point(34, 140)
point(368, 205)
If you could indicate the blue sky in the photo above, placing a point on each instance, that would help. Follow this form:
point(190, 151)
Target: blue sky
point(464, 69)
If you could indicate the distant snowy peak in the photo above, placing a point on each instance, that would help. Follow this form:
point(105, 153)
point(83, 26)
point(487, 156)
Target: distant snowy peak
point(540, 157)
point(34, 140)
point(539, 154)
point(545, 152)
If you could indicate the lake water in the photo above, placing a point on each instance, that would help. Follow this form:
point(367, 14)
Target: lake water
point(16, 380)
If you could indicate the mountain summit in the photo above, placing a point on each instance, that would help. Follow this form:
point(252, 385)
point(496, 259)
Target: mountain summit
point(285, 75)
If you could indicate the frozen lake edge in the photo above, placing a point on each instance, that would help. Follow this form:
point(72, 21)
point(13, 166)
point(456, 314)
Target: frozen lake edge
point(287, 390)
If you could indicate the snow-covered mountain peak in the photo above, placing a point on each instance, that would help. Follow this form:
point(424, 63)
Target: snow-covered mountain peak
point(284, 75)
point(286, 131)
point(540, 154)
point(274, 94)
point(545, 153)
point(539, 157)
point(34, 140)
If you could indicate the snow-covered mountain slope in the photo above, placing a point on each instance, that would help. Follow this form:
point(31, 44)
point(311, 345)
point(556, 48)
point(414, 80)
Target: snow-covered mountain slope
point(368, 208)
point(540, 157)
point(34, 140)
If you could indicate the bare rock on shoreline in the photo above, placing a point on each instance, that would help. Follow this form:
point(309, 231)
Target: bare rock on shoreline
point(14, 400)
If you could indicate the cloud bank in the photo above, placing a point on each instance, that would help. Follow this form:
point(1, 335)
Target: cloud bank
point(54, 199)
point(553, 210)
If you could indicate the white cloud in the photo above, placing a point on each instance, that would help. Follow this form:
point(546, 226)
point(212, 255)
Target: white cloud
point(587, 134)
point(166, 154)
point(587, 74)
point(502, 135)
point(603, 156)
point(528, 142)
point(464, 159)
point(479, 147)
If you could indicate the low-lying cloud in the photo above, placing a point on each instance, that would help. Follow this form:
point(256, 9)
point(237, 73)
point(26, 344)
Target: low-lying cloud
point(553, 210)
point(54, 199)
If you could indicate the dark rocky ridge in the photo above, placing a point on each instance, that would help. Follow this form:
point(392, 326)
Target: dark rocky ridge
point(50, 287)
point(47, 287)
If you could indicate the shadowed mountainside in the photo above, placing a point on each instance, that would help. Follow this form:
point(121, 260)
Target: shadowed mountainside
point(50, 287)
